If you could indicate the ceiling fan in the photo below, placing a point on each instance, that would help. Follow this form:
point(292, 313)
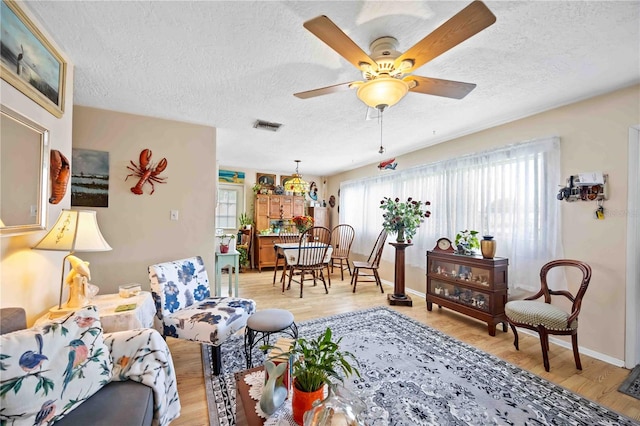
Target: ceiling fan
point(386, 71)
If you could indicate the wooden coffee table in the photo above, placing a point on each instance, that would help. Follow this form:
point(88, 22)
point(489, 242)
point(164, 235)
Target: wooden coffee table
point(245, 406)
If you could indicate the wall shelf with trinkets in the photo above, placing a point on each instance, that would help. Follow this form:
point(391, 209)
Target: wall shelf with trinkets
point(471, 285)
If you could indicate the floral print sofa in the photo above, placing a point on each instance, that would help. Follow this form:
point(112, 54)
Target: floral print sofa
point(68, 373)
point(185, 310)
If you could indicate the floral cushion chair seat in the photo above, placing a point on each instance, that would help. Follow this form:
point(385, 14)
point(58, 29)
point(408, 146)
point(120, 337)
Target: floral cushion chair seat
point(185, 310)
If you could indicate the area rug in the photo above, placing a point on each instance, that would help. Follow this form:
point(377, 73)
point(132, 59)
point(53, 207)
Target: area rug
point(631, 385)
point(412, 374)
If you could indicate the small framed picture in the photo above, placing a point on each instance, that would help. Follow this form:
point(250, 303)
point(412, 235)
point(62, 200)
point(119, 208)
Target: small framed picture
point(266, 180)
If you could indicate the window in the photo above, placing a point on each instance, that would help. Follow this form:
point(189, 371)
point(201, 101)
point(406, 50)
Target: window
point(230, 205)
point(509, 193)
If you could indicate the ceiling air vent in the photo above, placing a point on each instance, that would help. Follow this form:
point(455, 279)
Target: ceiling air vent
point(266, 125)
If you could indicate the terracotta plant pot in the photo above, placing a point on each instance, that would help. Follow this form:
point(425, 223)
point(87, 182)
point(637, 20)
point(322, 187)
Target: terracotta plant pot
point(302, 402)
point(224, 248)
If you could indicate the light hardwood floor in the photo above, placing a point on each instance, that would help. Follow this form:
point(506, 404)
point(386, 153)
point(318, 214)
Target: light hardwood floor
point(598, 381)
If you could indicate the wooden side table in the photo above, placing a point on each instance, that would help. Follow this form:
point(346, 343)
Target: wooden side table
point(139, 317)
point(232, 260)
point(245, 414)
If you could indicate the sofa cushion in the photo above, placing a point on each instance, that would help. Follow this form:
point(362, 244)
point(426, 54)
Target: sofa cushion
point(118, 403)
point(49, 370)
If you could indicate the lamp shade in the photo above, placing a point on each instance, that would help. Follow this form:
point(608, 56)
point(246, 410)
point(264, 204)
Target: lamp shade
point(382, 91)
point(296, 184)
point(75, 230)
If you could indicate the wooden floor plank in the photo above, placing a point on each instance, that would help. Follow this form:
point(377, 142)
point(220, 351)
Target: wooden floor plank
point(597, 381)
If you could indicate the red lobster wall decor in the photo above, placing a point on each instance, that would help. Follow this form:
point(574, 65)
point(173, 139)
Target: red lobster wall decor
point(59, 173)
point(147, 172)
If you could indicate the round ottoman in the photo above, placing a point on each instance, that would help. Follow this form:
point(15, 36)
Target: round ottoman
point(262, 324)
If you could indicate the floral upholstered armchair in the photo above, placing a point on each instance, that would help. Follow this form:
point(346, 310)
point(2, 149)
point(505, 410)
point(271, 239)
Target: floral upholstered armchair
point(184, 309)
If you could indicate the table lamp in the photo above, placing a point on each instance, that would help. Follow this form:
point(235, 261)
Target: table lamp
point(74, 231)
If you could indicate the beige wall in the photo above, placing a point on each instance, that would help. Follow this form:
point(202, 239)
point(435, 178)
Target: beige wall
point(594, 137)
point(31, 278)
point(138, 227)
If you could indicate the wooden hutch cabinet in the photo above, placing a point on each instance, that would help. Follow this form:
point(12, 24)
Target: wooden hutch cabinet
point(298, 206)
point(261, 212)
point(320, 216)
point(471, 285)
point(268, 209)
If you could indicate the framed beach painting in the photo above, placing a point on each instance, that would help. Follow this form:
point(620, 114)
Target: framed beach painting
point(90, 178)
point(29, 61)
point(230, 176)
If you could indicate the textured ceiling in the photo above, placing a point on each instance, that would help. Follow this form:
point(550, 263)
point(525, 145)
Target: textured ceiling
point(227, 63)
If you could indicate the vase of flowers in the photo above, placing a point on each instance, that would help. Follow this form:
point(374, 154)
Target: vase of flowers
point(303, 223)
point(403, 219)
point(467, 242)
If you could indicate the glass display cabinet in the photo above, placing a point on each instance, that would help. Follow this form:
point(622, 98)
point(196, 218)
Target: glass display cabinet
point(471, 285)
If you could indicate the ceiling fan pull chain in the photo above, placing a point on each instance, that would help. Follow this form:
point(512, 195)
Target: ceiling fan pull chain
point(381, 109)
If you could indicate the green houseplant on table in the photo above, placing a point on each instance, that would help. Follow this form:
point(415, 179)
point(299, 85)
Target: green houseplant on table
point(404, 218)
point(315, 363)
point(245, 221)
point(466, 242)
point(225, 241)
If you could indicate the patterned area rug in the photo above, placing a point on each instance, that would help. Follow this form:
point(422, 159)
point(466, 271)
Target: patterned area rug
point(631, 386)
point(415, 375)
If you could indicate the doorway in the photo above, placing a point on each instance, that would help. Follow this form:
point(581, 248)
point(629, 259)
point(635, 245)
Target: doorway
point(632, 338)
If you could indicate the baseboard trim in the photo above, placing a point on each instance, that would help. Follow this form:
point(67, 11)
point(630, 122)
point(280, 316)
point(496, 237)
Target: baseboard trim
point(567, 345)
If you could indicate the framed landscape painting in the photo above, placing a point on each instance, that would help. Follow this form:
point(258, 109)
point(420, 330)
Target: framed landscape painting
point(29, 62)
point(230, 176)
point(90, 178)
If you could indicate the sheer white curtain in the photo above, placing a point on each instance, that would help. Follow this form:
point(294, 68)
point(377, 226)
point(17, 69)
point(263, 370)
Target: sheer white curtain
point(509, 193)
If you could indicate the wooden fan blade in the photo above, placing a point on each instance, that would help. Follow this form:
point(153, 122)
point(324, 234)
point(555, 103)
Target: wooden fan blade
point(324, 90)
point(323, 28)
point(466, 23)
point(438, 87)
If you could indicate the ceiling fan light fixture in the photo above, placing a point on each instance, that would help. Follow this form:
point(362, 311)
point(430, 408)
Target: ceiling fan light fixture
point(382, 91)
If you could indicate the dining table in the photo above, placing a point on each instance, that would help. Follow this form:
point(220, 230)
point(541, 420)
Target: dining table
point(290, 252)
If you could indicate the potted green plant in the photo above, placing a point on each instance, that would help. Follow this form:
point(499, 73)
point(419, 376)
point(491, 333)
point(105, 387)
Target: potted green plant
point(256, 188)
point(467, 242)
point(244, 256)
point(315, 362)
point(245, 221)
point(225, 242)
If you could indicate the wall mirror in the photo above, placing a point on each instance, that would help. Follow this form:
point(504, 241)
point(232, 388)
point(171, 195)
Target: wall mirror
point(24, 160)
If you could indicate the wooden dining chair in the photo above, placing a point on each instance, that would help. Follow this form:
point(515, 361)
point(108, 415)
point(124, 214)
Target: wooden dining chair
point(245, 244)
point(372, 264)
point(342, 237)
point(545, 318)
point(310, 259)
point(284, 238)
